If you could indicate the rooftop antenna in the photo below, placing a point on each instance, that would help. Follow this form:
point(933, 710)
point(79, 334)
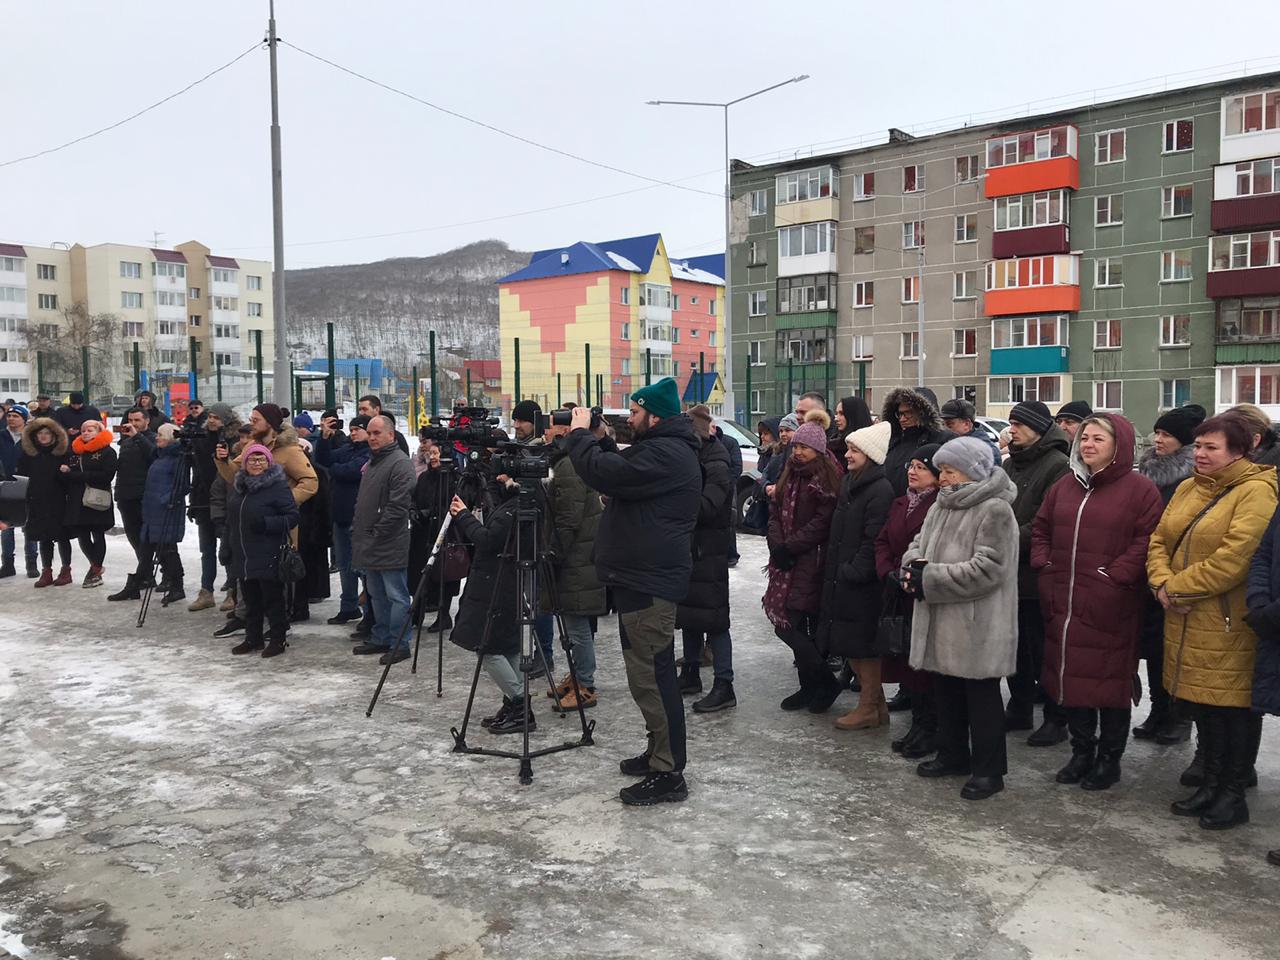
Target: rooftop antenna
point(155, 239)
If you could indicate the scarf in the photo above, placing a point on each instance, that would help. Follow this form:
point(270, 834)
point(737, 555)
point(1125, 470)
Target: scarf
point(916, 497)
point(100, 442)
point(779, 589)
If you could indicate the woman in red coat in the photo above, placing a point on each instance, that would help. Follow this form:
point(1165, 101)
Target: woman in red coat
point(799, 524)
point(1089, 543)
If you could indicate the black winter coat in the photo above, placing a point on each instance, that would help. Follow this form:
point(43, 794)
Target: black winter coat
point(851, 590)
point(70, 419)
point(431, 496)
point(706, 607)
point(904, 443)
point(96, 468)
point(203, 466)
point(491, 585)
point(260, 512)
point(137, 453)
point(654, 489)
point(315, 536)
point(46, 493)
point(1034, 470)
point(346, 466)
point(574, 512)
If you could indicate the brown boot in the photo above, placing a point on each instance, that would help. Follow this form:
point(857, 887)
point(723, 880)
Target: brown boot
point(871, 706)
point(64, 577)
point(46, 578)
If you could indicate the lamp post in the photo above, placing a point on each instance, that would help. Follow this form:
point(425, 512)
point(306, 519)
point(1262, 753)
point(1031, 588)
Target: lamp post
point(728, 203)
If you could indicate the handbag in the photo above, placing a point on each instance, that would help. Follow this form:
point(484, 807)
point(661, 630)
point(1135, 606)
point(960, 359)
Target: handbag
point(290, 569)
point(893, 629)
point(96, 499)
point(457, 562)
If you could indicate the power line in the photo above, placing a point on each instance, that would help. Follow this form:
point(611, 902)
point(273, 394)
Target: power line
point(134, 116)
point(498, 130)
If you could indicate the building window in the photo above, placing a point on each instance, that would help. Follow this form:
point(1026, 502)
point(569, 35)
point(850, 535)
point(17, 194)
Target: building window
point(163, 268)
point(224, 276)
point(131, 328)
point(711, 306)
point(759, 202)
point(625, 296)
point(675, 334)
point(675, 301)
point(803, 346)
point(1175, 201)
point(49, 301)
point(1108, 272)
point(13, 264)
point(1107, 335)
point(170, 328)
point(1174, 393)
point(11, 324)
point(808, 185)
point(1024, 389)
point(194, 320)
point(711, 342)
point(864, 239)
point(1245, 250)
point(966, 228)
point(13, 295)
point(964, 343)
point(193, 293)
point(755, 253)
point(226, 303)
point(1110, 147)
point(755, 353)
point(1029, 332)
point(912, 234)
point(864, 186)
point(1044, 271)
point(913, 178)
point(1108, 211)
point(805, 293)
point(910, 346)
point(863, 346)
point(18, 385)
point(1177, 135)
point(1031, 210)
point(130, 270)
point(250, 281)
point(625, 333)
point(910, 290)
point(1252, 113)
point(693, 332)
point(864, 293)
point(48, 331)
point(1254, 177)
point(1029, 146)
point(624, 366)
point(757, 303)
point(967, 168)
point(1175, 330)
point(170, 298)
point(807, 238)
point(13, 355)
point(757, 402)
point(1108, 395)
point(46, 271)
point(966, 285)
point(1175, 266)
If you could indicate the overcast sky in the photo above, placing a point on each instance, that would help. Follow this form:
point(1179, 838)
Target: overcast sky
point(360, 161)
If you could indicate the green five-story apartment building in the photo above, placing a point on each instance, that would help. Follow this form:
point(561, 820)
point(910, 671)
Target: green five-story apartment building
point(1125, 253)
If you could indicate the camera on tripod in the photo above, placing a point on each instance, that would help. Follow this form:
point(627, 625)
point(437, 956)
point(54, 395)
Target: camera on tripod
point(481, 431)
point(520, 461)
point(562, 418)
point(189, 432)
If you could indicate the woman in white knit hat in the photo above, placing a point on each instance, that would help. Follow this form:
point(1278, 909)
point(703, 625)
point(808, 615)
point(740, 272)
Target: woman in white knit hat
point(850, 587)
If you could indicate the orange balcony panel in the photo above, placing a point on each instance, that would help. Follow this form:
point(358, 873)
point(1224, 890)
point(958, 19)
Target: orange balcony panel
point(1053, 174)
point(1019, 300)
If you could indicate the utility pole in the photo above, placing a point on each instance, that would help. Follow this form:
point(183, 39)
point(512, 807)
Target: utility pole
point(920, 317)
point(280, 369)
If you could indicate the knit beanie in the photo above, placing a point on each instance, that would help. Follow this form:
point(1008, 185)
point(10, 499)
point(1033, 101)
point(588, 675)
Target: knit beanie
point(925, 454)
point(21, 411)
point(1033, 414)
point(526, 411)
point(1077, 410)
point(700, 414)
point(969, 455)
point(303, 420)
point(222, 411)
point(811, 435)
point(256, 448)
point(1181, 422)
point(789, 422)
point(662, 399)
point(872, 440)
point(358, 423)
point(75, 397)
point(272, 414)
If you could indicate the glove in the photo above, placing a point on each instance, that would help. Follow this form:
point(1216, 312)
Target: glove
point(781, 558)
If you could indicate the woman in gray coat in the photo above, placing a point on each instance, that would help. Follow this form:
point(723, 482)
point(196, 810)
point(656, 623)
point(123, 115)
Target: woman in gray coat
point(963, 569)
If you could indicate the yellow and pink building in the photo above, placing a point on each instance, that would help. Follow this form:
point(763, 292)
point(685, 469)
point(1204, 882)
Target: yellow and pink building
point(591, 322)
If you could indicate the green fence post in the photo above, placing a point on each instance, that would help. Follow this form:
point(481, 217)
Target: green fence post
point(517, 397)
point(600, 389)
point(431, 350)
point(862, 379)
point(588, 377)
point(750, 411)
point(330, 390)
point(257, 338)
point(791, 380)
point(40, 371)
point(356, 372)
point(194, 346)
point(137, 367)
point(648, 366)
point(413, 400)
point(468, 370)
point(559, 392)
point(84, 366)
point(218, 373)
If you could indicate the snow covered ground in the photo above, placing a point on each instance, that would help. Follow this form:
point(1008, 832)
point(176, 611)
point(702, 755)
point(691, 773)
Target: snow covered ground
point(162, 799)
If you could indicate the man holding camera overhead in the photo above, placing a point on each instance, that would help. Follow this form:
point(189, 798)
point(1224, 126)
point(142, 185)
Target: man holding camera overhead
point(653, 490)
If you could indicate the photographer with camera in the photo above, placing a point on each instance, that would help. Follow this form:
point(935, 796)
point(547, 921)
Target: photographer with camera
point(345, 462)
point(432, 495)
point(137, 453)
point(218, 426)
point(643, 552)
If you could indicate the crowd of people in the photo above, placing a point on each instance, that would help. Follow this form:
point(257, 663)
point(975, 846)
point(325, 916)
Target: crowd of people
point(909, 548)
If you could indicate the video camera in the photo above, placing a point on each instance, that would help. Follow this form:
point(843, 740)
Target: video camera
point(190, 432)
point(562, 418)
point(481, 431)
point(520, 461)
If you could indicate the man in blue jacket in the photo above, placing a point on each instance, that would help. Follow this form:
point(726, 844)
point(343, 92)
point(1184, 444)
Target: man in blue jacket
point(346, 466)
point(653, 491)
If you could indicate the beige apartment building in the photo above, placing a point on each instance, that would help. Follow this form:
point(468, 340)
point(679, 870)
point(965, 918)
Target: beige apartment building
point(155, 301)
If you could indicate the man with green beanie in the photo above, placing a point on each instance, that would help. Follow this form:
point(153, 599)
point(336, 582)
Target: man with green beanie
point(643, 552)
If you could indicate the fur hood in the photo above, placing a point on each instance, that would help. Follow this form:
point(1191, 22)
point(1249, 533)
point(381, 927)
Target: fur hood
point(926, 412)
point(820, 417)
point(41, 423)
point(1167, 469)
point(286, 436)
point(250, 484)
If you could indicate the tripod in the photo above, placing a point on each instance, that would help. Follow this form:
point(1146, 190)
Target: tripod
point(524, 551)
point(175, 492)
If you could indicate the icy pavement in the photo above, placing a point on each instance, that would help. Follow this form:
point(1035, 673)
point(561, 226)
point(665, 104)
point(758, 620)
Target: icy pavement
point(160, 799)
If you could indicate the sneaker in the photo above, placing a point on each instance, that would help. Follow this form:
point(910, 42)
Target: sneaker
point(398, 655)
point(203, 601)
point(274, 649)
point(93, 578)
point(635, 766)
point(720, 698)
point(230, 628)
point(344, 616)
point(368, 649)
point(655, 788)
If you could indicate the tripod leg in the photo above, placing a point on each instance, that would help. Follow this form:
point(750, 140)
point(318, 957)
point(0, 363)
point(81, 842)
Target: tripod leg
point(150, 589)
point(440, 647)
point(404, 631)
point(378, 690)
point(460, 736)
point(526, 763)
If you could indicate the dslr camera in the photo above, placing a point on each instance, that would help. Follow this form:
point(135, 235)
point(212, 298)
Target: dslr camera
point(562, 418)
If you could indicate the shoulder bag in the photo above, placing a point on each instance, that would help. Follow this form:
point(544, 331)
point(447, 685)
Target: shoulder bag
point(893, 630)
point(290, 569)
point(96, 498)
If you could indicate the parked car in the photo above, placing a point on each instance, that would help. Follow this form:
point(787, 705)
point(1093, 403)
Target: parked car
point(991, 426)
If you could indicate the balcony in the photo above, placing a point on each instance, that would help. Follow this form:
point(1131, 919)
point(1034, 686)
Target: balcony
point(1049, 284)
point(1244, 265)
point(1034, 160)
point(807, 196)
point(1258, 385)
point(1250, 125)
point(1022, 360)
point(795, 321)
point(807, 248)
point(1028, 241)
point(1248, 332)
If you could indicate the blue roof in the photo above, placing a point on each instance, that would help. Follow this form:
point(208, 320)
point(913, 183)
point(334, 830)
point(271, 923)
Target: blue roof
point(700, 386)
point(636, 254)
point(712, 263)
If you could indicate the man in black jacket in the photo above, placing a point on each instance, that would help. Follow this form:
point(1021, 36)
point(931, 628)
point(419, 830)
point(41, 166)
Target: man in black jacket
point(137, 452)
point(220, 425)
point(704, 613)
point(146, 402)
point(734, 449)
point(75, 413)
point(643, 552)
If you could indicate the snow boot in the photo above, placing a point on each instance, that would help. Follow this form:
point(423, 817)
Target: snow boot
point(46, 578)
point(64, 577)
point(129, 591)
point(7, 569)
point(203, 601)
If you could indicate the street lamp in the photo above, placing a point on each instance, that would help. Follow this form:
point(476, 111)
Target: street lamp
point(728, 200)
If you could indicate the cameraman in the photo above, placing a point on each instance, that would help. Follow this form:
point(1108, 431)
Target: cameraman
point(654, 489)
point(526, 423)
point(574, 519)
point(218, 426)
point(435, 488)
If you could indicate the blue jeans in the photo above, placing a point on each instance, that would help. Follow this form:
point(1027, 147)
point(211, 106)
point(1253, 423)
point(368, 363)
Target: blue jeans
point(350, 597)
point(721, 652)
point(583, 642)
point(389, 594)
point(544, 626)
point(8, 546)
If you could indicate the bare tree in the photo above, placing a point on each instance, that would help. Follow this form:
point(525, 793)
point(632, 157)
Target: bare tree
point(61, 350)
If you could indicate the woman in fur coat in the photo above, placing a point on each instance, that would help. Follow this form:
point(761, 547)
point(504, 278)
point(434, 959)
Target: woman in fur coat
point(44, 453)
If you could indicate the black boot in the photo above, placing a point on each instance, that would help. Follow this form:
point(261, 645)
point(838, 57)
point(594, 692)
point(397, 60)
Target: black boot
point(826, 689)
point(173, 593)
point(1053, 731)
point(275, 644)
point(1084, 746)
point(901, 700)
point(900, 744)
point(7, 569)
point(1228, 808)
point(33, 570)
point(1105, 772)
point(513, 722)
point(441, 623)
point(1112, 738)
point(501, 713)
point(1211, 751)
point(804, 696)
point(1150, 728)
point(690, 681)
point(253, 640)
point(720, 698)
point(129, 591)
point(1193, 776)
point(1255, 744)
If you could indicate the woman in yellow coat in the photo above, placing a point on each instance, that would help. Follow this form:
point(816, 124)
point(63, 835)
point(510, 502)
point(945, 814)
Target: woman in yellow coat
point(1197, 565)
